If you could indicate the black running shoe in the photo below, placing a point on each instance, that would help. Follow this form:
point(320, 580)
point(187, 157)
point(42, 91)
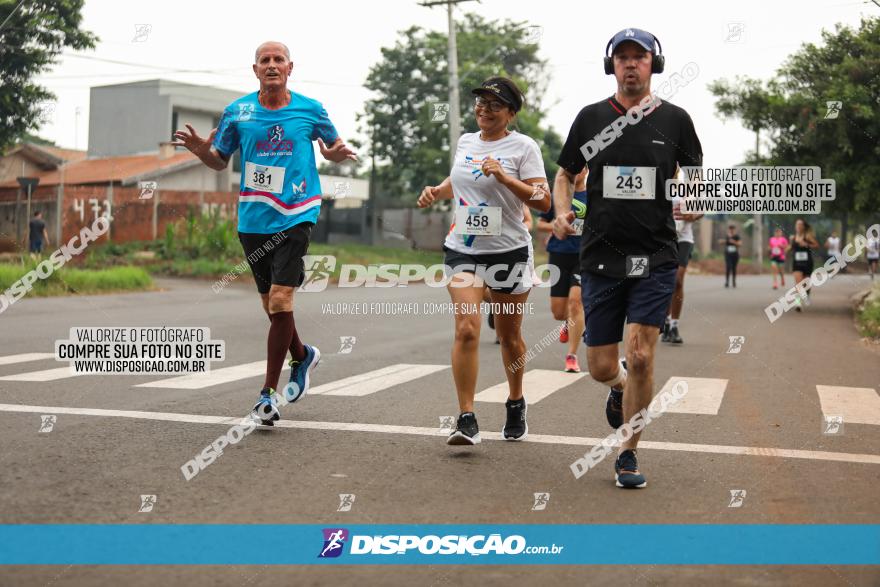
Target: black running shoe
point(266, 408)
point(665, 336)
point(674, 336)
point(516, 427)
point(466, 430)
point(491, 320)
point(626, 471)
point(614, 405)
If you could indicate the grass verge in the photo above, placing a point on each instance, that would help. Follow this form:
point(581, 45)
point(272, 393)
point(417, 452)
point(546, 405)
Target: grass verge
point(66, 280)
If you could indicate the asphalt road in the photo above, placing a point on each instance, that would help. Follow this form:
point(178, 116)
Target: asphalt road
point(386, 446)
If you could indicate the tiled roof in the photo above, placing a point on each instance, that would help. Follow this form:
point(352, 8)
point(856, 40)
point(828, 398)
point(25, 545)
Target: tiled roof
point(107, 169)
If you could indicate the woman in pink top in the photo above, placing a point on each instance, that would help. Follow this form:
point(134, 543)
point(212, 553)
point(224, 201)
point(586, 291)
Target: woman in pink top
point(778, 244)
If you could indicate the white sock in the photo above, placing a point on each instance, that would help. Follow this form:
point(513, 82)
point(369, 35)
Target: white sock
point(673, 323)
point(622, 384)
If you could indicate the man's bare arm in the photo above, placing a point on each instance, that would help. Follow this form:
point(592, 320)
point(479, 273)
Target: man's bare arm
point(563, 192)
point(201, 147)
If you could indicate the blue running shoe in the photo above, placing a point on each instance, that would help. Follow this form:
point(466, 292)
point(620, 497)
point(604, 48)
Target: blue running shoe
point(300, 372)
point(626, 471)
point(266, 408)
point(614, 404)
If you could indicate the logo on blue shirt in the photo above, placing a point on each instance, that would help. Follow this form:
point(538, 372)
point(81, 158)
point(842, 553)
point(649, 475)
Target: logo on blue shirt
point(275, 143)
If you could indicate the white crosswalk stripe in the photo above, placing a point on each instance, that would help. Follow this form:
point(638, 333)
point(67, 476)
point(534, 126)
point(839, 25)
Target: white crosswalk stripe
point(704, 395)
point(857, 405)
point(46, 375)
point(214, 377)
point(537, 384)
point(378, 380)
point(24, 358)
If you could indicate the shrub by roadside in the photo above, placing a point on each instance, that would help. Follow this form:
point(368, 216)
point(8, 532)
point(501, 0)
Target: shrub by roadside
point(867, 308)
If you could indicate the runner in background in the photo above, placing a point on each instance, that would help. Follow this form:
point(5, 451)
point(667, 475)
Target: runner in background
point(731, 244)
point(684, 229)
point(565, 294)
point(802, 243)
point(872, 252)
point(777, 249)
point(496, 172)
point(832, 246)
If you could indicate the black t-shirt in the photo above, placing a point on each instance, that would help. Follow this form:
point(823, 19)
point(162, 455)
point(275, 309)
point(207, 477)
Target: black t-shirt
point(615, 228)
point(729, 242)
point(36, 227)
point(801, 254)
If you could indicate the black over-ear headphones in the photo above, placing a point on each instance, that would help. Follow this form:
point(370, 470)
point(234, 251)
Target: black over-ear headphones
point(658, 61)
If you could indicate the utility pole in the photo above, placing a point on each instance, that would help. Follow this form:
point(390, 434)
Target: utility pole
point(373, 194)
point(758, 240)
point(28, 183)
point(454, 98)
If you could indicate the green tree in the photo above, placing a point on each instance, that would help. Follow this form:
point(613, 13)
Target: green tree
point(411, 149)
point(32, 35)
point(792, 109)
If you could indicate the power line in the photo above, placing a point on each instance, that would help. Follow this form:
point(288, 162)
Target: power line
point(144, 65)
point(223, 72)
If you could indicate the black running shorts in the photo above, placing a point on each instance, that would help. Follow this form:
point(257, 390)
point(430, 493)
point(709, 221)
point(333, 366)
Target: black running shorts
point(277, 258)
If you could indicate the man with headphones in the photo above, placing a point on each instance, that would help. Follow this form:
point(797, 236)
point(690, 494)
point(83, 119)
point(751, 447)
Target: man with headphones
point(631, 143)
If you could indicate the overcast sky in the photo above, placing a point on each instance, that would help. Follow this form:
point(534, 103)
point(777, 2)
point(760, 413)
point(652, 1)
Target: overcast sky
point(333, 45)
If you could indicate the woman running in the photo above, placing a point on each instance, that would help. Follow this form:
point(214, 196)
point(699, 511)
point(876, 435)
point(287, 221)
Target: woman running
point(778, 246)
point(803, 241)
point(731, 254)
point(487, 298)
point(494, 173)
point(565, 294)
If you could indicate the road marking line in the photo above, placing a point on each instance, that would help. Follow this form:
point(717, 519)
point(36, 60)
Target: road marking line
point(25, 357)
point(214, 377)
point(703, 397)
point(47, 375)
point(419, 431)
point(373, 381)
point(857, 405)
point(537, 384)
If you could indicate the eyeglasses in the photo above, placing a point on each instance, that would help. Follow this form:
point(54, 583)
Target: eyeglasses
point(490, 105)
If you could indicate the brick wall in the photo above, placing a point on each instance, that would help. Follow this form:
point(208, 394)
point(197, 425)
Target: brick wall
point(67, 211)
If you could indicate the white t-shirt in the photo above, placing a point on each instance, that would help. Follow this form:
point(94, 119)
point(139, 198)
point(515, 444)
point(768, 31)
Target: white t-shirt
point(520, 157)
point(833, 245)
point(684, 229)
point(873, 248)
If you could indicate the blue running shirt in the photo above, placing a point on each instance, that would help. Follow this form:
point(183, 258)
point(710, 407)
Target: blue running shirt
point(279, 185)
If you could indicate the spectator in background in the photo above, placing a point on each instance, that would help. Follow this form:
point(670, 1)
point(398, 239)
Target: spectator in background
point(37, 234)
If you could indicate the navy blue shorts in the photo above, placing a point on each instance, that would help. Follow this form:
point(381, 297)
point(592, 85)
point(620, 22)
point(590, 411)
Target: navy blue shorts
point(609, 303)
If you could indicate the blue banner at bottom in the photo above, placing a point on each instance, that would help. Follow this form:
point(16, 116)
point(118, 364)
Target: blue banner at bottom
point(413, 544)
